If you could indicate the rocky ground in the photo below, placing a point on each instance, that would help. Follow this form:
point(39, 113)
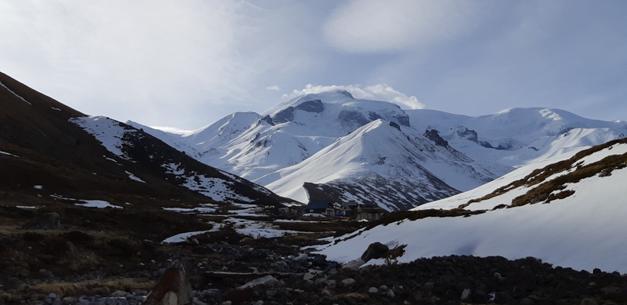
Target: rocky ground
point(114, 264)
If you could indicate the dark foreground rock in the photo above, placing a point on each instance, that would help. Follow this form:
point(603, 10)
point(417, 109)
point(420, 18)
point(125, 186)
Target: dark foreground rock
point(444, 280)
point(173, 288)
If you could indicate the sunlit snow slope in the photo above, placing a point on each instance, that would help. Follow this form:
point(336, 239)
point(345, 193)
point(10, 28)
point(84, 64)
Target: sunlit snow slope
point(569, 213)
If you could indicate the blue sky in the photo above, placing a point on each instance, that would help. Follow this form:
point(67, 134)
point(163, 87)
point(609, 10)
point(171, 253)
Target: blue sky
point(187, 63)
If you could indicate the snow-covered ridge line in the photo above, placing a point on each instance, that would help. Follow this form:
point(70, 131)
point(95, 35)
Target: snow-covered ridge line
point(14, 93)
point(217, 189)
point(582, 231)
point(108, 132)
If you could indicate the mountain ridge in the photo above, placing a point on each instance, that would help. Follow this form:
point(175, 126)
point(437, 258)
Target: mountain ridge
point(296, 130)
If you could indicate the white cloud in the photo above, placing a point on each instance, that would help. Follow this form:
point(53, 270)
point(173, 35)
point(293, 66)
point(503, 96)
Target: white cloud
point(159, 62)
point(379, 92)
point(393, 25)
point(273, 88)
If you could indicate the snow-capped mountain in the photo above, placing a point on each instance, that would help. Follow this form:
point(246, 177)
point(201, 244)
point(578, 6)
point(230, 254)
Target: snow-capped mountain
point(292, 149)
point(380, 162)
point(570, 212)
point(518, 136)
point(333, 142)
point(48, 149)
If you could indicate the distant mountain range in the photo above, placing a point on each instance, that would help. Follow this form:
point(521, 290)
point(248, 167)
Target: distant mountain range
point(333, 147)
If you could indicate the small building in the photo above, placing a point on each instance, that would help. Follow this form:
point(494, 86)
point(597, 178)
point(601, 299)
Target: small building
point(316, 207)
point(369, 213)
point(337, 210)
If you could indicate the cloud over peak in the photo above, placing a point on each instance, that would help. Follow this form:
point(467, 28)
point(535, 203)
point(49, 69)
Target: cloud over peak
point(378, 92)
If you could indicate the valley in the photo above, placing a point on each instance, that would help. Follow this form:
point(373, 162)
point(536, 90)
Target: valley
point(388, 205)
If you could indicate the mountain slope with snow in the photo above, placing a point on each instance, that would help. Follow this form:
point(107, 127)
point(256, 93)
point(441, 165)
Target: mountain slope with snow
point(53, 151)
point(382, 163)
point(270, 148)
point(518, 136)
point(569, 213)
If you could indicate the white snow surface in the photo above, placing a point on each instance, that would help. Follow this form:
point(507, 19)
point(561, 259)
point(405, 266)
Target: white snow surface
point(582, 231)
point(379, 149)
point(182, 237)
point(109, 132)
point(257, 229)
point(202, 209)
point(98, 204)
point(616, 149)
point(8, 154)
point(134, 178)
point(215, 188)
point(529, 134)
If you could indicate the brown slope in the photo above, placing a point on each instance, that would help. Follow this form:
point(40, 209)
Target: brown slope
point(48, 150)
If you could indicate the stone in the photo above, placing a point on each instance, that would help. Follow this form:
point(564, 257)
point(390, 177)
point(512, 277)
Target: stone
point(267, 280)
point(331, 283)
point(173, 288)
point(429, 285)
point(119, 294)
point(373, 290)
point(348, 281)
point(375, 250)
point(170, 298)
point(588, 301)
point(309, 276)
point(610, 290)
point(354, 264)
point(498, 276)
point(465, 294)
point(83, 301)
point(198, 302)
point(526, 301)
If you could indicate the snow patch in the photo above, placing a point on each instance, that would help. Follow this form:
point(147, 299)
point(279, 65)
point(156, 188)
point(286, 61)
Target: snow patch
point(8, 154)
point(257, 229)
point(98, 204)
point(202, 209)
point(134, 178)
point(109, 132)
point(15, 94)
point(182, 237)
point(27, 207)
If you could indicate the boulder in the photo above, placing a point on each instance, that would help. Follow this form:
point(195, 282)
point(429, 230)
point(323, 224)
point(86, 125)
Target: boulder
point(375, 250)
point(267, 280)
point(348, 282)
point(173, 288)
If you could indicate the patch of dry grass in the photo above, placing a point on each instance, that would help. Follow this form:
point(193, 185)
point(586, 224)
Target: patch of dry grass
point(103, 286)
